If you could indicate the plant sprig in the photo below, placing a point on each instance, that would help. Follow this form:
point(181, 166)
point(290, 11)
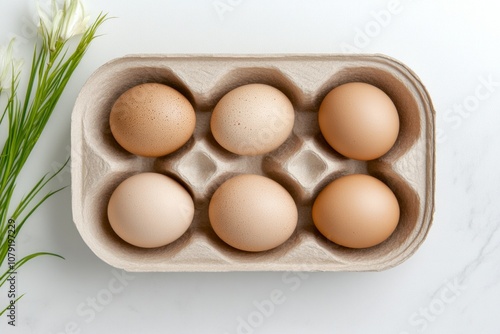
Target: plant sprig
point(52, 66)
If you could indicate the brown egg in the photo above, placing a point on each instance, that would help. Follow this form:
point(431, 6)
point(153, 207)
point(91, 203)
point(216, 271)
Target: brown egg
point(359, 121)
point(356, 211)
point(150, 210)
point(252, 119)
point(152, 120)
point(252, 213)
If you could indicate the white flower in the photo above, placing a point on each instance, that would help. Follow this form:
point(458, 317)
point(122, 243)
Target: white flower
point(63, 22)
point(9, 66)
point(75, 22)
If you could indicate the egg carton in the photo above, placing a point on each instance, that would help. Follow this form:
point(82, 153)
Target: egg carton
point(304, 164)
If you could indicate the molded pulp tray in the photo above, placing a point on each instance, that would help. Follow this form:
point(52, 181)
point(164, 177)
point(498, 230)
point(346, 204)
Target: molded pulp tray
point(304, 164)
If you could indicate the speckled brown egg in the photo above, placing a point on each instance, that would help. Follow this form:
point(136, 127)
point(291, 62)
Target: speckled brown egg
point(252, 213)
point(152, 120)
point(252, 119)
point(150, 210)
point(356, 211)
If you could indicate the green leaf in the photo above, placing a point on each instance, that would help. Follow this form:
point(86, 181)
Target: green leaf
point(27, 117)
point(7, 307)
point(22, 262)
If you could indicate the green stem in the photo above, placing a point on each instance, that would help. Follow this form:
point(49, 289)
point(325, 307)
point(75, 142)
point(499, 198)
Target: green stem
point(49, 76)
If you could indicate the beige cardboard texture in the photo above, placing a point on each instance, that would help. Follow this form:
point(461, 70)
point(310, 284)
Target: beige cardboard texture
point(304, 164)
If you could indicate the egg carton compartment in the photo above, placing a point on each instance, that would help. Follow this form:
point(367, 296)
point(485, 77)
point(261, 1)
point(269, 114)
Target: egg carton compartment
point(304, 164)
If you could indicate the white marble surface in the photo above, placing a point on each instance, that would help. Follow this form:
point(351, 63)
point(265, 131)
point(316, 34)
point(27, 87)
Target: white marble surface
point(451, 285)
